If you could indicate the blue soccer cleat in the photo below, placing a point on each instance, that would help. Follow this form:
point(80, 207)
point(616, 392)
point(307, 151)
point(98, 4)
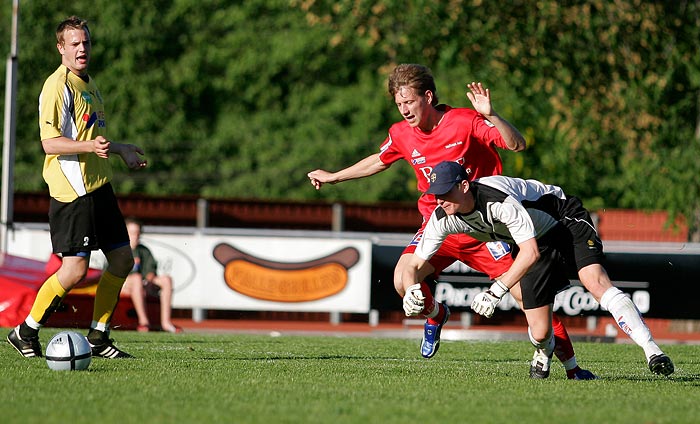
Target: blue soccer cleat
point(582, 374)
point(431, 336)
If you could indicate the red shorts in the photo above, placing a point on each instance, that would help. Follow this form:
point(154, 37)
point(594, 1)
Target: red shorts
point(492, 258)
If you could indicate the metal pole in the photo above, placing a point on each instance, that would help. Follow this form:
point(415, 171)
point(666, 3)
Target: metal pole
point(338, 223)
point(8, 149)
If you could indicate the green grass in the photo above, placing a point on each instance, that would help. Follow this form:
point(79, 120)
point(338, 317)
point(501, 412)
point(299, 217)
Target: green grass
point(213, 378)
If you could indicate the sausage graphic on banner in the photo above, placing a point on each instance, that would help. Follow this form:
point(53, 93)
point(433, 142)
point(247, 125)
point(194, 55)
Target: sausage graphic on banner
point(285, 281)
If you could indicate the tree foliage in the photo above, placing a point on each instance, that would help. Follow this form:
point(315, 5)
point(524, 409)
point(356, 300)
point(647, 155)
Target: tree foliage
point(242, 99)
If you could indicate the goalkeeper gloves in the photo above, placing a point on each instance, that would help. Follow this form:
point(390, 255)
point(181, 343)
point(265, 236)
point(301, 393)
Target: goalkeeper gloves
point(485, 303)
point(413, 301)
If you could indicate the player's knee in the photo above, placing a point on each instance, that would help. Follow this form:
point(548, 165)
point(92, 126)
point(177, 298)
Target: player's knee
point(121, 261)
point(539, 334)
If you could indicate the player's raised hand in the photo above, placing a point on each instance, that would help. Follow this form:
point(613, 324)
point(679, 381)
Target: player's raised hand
point(480, 98)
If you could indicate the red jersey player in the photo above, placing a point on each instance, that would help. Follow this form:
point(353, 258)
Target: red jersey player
point(429, 134)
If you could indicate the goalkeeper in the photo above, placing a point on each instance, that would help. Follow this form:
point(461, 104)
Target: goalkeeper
point(551, 233)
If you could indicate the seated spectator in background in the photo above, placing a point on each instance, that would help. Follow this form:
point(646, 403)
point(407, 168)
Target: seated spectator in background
point(144, 281)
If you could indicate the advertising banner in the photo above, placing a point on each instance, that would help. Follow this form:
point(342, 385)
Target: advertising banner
point(248, 272)
point(664, 282)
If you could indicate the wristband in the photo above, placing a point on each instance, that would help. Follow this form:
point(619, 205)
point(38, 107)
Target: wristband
point(498, 289)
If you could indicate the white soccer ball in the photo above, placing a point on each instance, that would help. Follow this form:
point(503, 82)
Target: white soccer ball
point(68, 351)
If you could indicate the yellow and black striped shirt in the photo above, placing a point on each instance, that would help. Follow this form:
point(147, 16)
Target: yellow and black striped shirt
point(73, 108)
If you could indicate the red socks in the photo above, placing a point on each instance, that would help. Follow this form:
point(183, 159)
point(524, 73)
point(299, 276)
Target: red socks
point(562, 343)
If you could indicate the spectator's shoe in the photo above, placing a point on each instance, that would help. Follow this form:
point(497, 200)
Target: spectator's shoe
point(581, 374)
point(431, 336)
point(539, 368)
point(29, 348)
point(661, 364)
point(103, 347)
point(174, 329)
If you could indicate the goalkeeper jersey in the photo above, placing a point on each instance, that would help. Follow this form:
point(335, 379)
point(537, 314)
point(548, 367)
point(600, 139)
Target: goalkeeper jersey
point(73, 108)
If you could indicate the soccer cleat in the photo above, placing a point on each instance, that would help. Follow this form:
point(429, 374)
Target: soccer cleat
point(661, 364)
point(582, 374)
point(28, 348)
point(430, 343)
point(539, 368)
point(104, 348)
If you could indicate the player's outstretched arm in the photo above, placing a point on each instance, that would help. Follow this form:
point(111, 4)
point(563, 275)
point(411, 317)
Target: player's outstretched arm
point(364, 168)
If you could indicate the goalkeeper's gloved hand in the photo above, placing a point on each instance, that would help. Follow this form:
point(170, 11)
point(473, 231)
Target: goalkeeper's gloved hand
point(485, 303)
point(413, 301)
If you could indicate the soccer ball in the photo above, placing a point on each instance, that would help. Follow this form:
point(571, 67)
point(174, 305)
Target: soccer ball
point(68, 351)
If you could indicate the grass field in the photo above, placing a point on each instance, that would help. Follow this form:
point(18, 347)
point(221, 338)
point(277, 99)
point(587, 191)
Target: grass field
point(213, 378)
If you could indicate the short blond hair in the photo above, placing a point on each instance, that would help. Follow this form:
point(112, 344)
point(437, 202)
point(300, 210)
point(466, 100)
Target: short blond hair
point(72, 22)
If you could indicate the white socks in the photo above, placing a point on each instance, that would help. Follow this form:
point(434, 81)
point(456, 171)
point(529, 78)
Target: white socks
point(629, 319)
point(547, 346)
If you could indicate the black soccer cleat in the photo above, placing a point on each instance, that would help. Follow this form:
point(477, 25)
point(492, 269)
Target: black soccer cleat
point(29, 348)
point(541, 362)
point(661, 365)
point(103, 347)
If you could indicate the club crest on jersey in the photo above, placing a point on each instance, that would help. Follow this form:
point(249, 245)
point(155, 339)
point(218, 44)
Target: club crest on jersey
point(86, 97)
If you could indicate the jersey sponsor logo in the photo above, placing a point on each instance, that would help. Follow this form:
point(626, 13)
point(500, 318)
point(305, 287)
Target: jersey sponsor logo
point(418, 161)
point(427, 170)
point(94, 117)
point(498, 249)
point(455, 144)
point(90, 119)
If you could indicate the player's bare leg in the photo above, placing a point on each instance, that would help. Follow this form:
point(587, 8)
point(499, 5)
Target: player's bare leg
point(539, 322)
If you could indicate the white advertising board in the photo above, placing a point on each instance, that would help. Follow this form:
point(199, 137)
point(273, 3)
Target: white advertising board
point(231, 272)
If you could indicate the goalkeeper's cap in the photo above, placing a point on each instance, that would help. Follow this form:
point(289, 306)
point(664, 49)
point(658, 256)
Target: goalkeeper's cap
point(444, 176)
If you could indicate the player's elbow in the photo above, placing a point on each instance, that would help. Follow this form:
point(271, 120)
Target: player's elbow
point(533, 256)
point(520, 145)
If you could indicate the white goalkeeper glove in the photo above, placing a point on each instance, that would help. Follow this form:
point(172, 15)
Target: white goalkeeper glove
point(413, 301)
point(485, 303)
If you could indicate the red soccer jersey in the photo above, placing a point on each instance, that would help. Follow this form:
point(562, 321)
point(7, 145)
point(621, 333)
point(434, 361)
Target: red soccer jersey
point(463, 136)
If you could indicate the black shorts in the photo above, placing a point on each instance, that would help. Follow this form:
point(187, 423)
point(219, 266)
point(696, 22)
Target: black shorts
point(587, 246)
point(566, 248)
point(88, 223)
point(550, 274)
